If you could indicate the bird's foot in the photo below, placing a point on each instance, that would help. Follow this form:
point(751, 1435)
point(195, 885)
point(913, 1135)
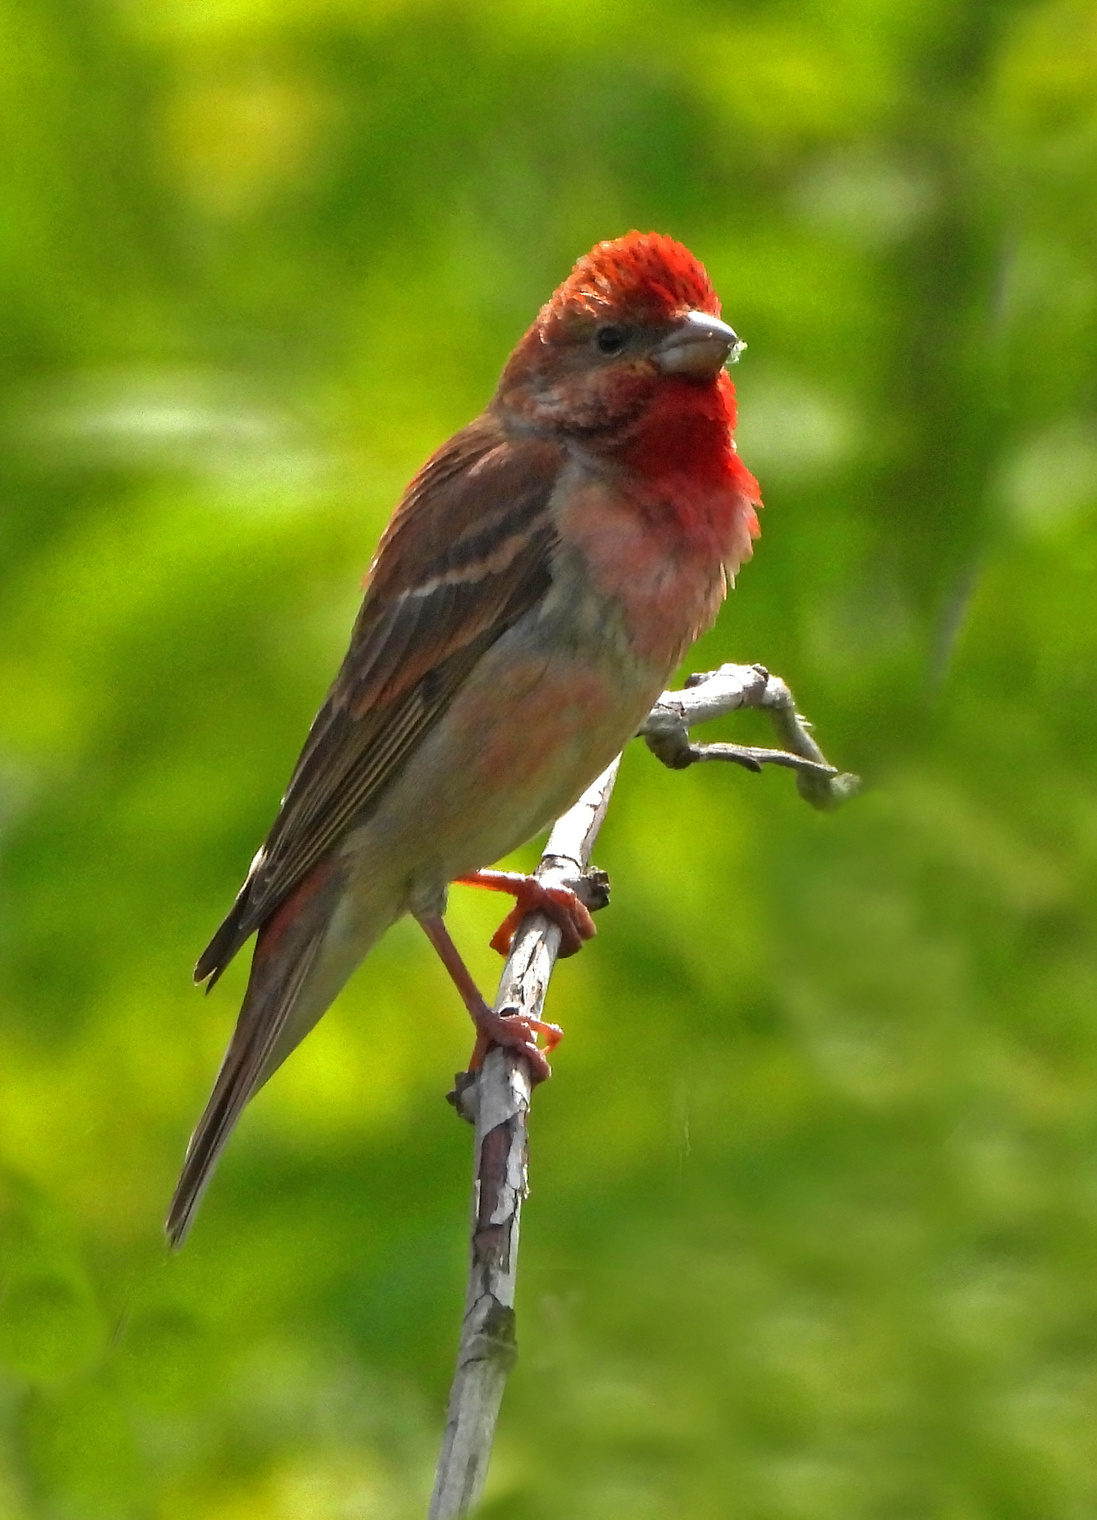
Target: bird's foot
point(515, 1031)
point(559, 904)
point(511, 1029)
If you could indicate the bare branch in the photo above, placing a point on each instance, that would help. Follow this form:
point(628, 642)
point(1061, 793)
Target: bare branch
point(496, 1098)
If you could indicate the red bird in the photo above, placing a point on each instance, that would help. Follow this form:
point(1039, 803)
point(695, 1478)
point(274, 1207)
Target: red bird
point(541, 578)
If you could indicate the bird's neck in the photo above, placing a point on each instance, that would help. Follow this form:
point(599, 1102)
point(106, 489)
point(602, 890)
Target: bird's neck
point(664, 519)
point(682, 468)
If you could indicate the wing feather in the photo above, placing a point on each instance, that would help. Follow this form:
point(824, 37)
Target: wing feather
point(467, 552)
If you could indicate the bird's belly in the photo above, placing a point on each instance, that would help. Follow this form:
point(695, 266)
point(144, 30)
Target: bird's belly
point(532, 727)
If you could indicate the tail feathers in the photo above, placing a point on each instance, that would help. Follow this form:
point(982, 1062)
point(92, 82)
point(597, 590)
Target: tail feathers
point(257, 1048)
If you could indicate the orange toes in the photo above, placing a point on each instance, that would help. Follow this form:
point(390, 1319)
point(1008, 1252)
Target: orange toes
point(503, 937)
point(516, 1032)
point(570, 915)
point(560, 904)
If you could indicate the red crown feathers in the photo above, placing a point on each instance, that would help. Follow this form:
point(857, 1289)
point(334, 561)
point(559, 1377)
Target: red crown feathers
point(645, 274)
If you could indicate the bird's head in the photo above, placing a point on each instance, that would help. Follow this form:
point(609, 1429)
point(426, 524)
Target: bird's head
point(635, 316)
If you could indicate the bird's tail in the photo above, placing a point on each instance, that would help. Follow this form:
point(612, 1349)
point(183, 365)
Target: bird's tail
point(296, 972)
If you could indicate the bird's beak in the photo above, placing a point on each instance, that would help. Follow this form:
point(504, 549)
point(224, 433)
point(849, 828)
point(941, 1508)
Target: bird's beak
point(699, 346)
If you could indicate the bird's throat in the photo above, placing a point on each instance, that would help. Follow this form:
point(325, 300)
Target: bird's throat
point(683, 473)
point(685, 430)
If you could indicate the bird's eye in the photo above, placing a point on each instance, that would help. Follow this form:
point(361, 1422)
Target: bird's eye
point(611, 339)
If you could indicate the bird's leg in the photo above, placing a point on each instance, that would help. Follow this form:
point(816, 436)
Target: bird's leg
point(514, 1030)
point(570, 915)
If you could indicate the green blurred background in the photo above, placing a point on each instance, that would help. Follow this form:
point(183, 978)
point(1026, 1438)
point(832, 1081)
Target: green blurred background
point(812, 1233)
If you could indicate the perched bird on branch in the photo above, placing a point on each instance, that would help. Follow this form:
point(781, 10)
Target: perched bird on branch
point(542, 576)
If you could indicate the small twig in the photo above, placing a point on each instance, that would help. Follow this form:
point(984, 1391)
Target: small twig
point(714, 694)
point(496, 1098)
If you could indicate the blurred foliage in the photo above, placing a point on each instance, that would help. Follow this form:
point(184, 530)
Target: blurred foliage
point(812, 1234)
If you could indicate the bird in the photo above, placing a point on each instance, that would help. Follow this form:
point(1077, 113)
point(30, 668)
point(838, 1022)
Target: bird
point(540, 579)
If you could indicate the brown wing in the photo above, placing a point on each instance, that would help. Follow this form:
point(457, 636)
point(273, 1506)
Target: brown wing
point(468, 550)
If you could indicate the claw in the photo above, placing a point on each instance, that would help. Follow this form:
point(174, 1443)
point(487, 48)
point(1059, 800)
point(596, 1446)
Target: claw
point(560, 904)
point(516, 1032)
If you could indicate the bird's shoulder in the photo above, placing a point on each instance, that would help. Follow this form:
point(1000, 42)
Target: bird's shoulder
point(491, 478)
